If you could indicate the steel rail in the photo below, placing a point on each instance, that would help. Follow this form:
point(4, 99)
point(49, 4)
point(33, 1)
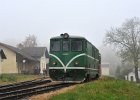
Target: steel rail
point(7, 85)
point(13, 95)
point(24, 85)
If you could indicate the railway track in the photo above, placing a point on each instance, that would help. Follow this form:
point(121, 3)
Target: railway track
point(25, 82)
point(23, 85)
point(29, 89)
point(7, 85)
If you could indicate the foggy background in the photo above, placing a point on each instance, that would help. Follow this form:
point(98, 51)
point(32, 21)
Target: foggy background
point(47, 18)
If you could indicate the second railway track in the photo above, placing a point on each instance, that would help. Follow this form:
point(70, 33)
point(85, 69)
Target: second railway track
point(26, 90)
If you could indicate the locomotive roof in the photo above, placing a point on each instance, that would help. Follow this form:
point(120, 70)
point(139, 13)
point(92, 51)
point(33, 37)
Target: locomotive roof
point(74, 37)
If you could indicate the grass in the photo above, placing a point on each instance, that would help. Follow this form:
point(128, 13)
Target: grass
point(103, 89)
point(13, 78)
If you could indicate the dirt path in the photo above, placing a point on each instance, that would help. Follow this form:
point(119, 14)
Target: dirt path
point(46, 96)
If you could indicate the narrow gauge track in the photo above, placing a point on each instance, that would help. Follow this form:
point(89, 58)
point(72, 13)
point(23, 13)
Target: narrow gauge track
point(23, 85)
point(17, 94)
point(7, 85)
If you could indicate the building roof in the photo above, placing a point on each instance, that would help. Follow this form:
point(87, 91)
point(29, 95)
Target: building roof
point(133, 70)
point(2, 54)
point(18, 51)
point(36, 52)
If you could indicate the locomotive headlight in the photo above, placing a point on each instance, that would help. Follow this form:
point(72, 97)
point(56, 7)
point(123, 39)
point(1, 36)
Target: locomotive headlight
point(66, 35)
point(76, 63)
point(54, 63)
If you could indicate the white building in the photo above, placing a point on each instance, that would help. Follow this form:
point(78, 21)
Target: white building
point(131, 76)
point(40, 54)
point(105, 69)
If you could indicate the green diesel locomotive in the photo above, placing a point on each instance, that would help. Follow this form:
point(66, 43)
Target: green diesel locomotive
point(73, 59)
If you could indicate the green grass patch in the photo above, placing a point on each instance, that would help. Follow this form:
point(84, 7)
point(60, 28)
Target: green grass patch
point(103, 89)
point(13, 78)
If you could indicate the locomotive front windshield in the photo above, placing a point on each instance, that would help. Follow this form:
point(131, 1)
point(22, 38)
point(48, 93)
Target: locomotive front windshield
point(55, 45)
point(65, 45)
point(73, 45)
point(76, 45)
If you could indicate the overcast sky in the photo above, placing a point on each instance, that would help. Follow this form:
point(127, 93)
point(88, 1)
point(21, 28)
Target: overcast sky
point(48, 18)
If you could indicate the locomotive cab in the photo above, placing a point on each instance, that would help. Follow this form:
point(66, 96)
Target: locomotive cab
point(68, 58)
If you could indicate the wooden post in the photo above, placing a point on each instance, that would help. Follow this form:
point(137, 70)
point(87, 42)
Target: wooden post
point(0, 62)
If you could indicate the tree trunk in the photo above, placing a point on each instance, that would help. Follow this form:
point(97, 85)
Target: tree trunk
point(136, 71)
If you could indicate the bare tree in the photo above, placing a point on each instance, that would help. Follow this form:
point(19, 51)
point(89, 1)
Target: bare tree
point(20, 46)
point(30, 41)
point(126, 39)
